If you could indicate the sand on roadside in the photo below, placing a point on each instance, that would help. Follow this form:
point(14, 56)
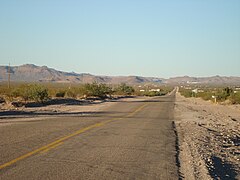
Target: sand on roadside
point(208, 137)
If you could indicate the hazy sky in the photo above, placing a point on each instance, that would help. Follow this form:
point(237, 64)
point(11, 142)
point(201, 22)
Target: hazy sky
point(162, 38)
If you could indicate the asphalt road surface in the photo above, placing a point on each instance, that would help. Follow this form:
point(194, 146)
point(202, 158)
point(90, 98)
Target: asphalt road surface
point(131, 140)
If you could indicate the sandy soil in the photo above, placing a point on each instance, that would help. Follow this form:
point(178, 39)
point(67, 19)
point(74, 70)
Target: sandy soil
point(209, 139)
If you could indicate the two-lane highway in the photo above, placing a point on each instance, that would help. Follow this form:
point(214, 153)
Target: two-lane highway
point(131, 140)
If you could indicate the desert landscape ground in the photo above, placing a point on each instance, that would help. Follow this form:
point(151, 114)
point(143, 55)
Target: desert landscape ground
point(208, 138)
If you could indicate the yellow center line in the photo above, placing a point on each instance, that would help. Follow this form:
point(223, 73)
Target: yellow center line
point(60, 141)
point(136, 111)
point(52, 147)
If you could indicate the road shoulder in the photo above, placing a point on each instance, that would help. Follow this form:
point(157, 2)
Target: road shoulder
point(208, 138)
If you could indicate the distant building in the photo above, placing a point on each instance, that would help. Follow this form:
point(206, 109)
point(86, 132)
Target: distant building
point(155, 90)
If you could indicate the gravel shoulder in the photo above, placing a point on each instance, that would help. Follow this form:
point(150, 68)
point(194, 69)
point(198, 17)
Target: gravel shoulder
point(209, 139)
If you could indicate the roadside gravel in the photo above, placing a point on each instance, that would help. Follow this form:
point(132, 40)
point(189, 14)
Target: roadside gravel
point(209, 139)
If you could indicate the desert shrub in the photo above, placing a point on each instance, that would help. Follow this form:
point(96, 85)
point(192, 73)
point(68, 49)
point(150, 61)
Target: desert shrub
point(166, 89)
point(37, 93)
point(71, 92)
point(186, 92)
point(124, 89)
point(4, 90)
point(223, 94)
point(33, 92)
point(60, 93)
point(97, 90)
point(22, 91)
point(205, 95)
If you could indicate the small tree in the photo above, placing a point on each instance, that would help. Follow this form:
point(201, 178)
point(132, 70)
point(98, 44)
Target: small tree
point(37, 93)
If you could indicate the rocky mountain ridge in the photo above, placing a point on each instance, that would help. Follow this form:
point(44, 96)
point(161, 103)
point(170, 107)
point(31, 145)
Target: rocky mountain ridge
point(33, 73)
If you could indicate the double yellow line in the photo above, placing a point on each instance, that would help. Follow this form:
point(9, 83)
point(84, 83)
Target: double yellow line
point(60, 141)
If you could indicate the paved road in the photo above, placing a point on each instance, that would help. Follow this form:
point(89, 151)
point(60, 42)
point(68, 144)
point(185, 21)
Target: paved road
point(131, 140)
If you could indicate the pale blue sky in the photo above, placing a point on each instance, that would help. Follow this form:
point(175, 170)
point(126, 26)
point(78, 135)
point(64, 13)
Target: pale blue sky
point(162, 38)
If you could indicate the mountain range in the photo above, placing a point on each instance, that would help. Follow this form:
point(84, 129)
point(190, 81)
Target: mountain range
point(33, 73)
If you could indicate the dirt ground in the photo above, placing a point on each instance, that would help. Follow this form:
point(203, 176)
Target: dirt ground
point(209, 139)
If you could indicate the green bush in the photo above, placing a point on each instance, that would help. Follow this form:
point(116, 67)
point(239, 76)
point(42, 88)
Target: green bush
point(186, 93)
point(205, 95)
point(223, 94)
point(33, 92)
point(22, 91)
point(124, 89)
point(37, 93)
point(97, 90)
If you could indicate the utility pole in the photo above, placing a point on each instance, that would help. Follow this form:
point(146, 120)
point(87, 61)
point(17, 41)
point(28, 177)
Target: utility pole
point(9, 76)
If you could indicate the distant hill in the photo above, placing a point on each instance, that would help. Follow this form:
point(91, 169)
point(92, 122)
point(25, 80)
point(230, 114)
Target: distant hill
point(215, 80)
point(33, 73)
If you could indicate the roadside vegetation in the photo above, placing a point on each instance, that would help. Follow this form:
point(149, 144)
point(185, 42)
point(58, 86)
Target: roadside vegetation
point(30, 92)
point(229, 95)
point(42, 92)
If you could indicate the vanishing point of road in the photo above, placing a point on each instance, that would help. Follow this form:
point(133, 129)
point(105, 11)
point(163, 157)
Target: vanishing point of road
point(131, 140)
